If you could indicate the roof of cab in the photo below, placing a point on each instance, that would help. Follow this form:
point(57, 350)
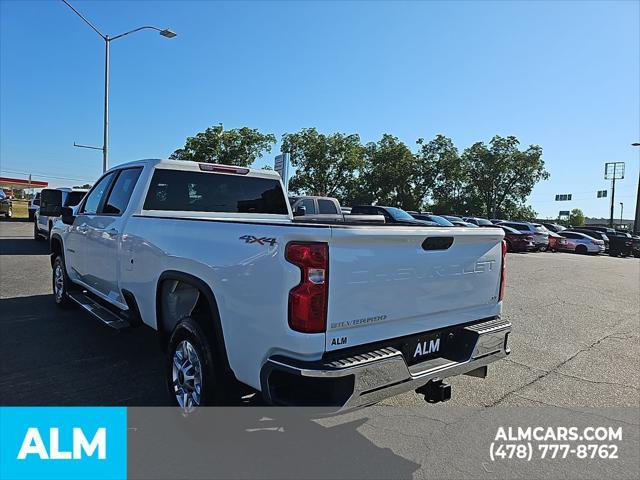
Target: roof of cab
point(186, 165)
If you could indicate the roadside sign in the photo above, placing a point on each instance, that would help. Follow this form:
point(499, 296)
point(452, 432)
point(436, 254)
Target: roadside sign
point(563, 197)
point(614, 170)
point(281, 165)
point(564, 214)
point(602, 194)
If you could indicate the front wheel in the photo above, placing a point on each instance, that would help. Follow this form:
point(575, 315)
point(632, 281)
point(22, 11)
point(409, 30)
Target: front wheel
point(36, 234)
point(61, 283)
point(581, 249)
point(192, 375)
point(543, 248)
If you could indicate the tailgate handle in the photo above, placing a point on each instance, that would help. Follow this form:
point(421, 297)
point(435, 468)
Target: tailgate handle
point(437, 243)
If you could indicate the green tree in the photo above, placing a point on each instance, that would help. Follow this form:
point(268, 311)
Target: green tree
point(86, 186)
point(238, 146)
point(576, 218)
point(520, 211)
point(443, 174)
point(325, 164)
point(393, 175)
point(501, 173)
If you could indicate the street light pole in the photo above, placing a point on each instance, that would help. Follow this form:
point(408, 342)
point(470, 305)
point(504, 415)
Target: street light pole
point(636, 221)
point(105, 126)
point(621, 210)
point(165, 32)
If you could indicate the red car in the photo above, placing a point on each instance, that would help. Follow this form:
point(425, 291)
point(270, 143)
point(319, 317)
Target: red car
point(556, 242)
point(517, 241)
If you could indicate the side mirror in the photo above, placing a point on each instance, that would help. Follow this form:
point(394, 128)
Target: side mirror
point(300, 211)
point(50, 202)
point(68, 216)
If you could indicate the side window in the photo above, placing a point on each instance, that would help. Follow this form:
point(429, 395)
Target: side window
point(74, 198)
point(381, 211)
point(95, 196)
point(310, 205)
point(121, 192)
point(327, 206)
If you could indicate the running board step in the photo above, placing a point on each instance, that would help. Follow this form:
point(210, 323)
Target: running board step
point(103, 314)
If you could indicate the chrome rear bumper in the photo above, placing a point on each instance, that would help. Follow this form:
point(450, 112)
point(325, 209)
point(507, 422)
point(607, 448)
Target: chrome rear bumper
point(370, 377)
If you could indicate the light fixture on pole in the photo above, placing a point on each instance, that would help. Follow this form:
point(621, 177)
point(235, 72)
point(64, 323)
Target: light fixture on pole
point(165, 32)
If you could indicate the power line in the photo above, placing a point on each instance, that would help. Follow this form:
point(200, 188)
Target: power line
point(44, 175)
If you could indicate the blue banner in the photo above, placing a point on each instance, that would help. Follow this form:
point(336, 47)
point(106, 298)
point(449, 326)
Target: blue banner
point(63, 443)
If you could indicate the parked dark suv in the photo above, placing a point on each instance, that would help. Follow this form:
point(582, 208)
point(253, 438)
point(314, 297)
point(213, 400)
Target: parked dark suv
point(6, 206)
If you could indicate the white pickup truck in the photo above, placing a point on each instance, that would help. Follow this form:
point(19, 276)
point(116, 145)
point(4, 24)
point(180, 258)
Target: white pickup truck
point(342, 315)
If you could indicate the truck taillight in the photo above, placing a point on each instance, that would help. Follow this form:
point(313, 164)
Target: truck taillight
point(503, 271)
point(308, 299)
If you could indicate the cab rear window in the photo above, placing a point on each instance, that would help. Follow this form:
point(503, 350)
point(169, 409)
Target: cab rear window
point(176, 190)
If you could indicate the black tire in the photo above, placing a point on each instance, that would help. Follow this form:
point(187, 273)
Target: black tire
point(36, 235)
point(543, 248)
point(61, 283)
point(613, 253)
point(581, 249)
point(214, 388)
point(9, 213)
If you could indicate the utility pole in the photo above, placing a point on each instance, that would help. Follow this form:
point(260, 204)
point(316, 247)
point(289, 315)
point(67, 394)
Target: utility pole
point(613, 195)
point(613, 171)
point(636, 221)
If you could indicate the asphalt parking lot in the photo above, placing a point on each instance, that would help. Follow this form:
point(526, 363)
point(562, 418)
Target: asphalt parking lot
point(575, 341)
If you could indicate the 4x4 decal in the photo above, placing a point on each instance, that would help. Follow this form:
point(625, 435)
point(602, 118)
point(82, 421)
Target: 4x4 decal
point(260, 241)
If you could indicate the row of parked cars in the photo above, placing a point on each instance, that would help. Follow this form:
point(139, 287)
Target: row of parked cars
point(520, 236)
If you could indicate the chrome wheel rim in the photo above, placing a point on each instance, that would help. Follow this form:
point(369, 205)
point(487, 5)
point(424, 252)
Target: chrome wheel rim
point(58, 282)
point(187, 376)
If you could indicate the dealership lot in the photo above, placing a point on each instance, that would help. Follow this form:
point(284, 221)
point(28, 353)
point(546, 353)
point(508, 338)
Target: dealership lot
point(575, 339)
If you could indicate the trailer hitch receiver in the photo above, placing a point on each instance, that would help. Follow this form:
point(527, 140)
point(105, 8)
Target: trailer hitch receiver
point(435, 391)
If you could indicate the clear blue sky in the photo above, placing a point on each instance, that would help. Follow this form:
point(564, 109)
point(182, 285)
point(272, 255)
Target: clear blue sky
point(565, 76)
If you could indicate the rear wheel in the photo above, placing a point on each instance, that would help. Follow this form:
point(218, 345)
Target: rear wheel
point(581, 249)
point(193, 378)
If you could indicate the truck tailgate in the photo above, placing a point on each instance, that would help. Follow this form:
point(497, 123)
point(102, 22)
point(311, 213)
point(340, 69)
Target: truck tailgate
point(396, 281)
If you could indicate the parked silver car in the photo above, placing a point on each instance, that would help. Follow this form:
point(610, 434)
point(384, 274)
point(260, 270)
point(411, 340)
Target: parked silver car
point(581, 243)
